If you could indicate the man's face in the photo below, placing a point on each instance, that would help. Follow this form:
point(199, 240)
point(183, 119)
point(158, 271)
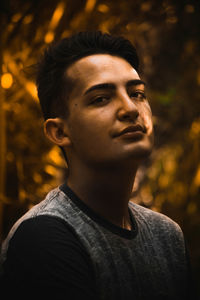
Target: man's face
point(110, 120)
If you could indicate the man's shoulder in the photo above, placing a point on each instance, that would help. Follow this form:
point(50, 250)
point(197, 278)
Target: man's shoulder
point(43, 228)
point(44, 207)
point(153, 219)
point(50, 206)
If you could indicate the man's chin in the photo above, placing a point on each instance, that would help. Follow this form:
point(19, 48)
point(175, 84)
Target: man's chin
point(139, 151)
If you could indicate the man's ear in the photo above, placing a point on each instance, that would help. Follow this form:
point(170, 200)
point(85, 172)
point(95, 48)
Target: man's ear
point(57, 132)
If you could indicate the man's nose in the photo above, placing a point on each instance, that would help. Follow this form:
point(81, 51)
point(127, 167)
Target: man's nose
point(128, 110)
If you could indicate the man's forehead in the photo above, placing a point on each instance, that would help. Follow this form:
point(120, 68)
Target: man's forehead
point(100, 68)
point(98, 63)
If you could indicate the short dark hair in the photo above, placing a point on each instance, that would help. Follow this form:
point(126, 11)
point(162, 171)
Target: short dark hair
point(51, 79)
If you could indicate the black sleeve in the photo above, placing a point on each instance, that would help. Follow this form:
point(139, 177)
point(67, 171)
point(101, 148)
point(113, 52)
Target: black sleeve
point(46, 258)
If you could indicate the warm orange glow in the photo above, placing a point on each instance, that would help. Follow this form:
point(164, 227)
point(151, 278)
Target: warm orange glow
point(197, 177)
point(28, 19)
point(90, 5)
point(31, 88)
point(103, 8)
point(54, 156)
point(4, 69)
point(195, 129)
point(37, 177)
point(16, 18)
point(189, 8)
point(57, 15)
point(66, 33)
point(50, 170)
point(49, 37)
point(6, 80)
point(145, 6)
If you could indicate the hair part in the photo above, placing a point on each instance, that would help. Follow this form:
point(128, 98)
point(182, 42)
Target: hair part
point(51, 80)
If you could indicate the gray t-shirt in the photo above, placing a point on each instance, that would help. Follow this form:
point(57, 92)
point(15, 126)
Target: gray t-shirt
point(147, 262)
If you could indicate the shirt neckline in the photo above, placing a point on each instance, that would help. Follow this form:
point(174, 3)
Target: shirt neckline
point(125, 233)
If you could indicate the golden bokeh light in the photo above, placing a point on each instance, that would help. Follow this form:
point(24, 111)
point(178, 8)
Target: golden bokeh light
point(197, 177)
point(6, 80)
point(31, 88)
point(103, 8)
point(16, 17)
point(51, 170)
point(28, 19)
point(49, 37)
point(195, 129)
point(54, 156)
point(57, 15)
point(90, 4)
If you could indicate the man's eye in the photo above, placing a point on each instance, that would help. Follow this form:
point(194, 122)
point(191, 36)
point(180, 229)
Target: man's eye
point(100, 100)
point(138, 95)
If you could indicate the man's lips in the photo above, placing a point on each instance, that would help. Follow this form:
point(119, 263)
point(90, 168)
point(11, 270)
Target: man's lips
point(131, 131)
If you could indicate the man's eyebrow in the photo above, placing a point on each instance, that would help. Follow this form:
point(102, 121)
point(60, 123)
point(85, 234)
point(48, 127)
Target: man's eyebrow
point(135, 82)
point(100, 86)
point(112, 86)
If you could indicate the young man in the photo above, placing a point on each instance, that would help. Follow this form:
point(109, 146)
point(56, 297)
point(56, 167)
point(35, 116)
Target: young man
point(86, 239)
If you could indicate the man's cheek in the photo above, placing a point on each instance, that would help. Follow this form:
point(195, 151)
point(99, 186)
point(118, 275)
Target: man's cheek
point(147, 121)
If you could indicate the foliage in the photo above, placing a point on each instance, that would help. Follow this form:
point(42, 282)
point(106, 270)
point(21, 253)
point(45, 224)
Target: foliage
point(167, 35)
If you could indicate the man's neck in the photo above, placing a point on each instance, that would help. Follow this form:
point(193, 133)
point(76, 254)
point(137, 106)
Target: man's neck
point(107, 192)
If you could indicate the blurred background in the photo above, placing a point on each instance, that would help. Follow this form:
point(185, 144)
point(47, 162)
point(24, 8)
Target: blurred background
point(167, 37)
